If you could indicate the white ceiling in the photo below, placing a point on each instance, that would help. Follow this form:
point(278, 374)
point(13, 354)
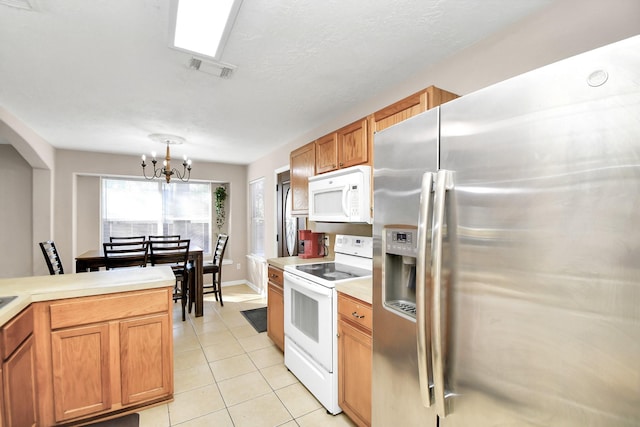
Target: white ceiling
point(99, 76)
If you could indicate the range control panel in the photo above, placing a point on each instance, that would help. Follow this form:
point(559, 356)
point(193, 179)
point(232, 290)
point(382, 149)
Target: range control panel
point(401, 241)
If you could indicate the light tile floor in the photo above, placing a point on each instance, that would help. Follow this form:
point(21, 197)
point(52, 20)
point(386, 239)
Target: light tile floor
point(227, 374)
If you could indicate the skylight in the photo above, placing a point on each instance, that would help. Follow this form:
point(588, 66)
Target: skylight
point(203, 26)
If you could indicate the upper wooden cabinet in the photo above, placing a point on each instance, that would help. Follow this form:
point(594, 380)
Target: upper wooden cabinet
point(354, 147)
point(327, 153)
point(353, 144)
point(348, 146)
point(410, 106)
point(303, 165)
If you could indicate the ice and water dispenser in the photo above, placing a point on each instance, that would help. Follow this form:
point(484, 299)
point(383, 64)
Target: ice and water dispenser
point(400, 249)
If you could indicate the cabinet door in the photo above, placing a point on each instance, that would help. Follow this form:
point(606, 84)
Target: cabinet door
point(354, 373)
point(275, 315)
point(80, 358)
point(19, 383)
point(400, 111)
point(410, 106)
point(146, 360)
point(303, 165)
point(327, 153)
point(353, 144)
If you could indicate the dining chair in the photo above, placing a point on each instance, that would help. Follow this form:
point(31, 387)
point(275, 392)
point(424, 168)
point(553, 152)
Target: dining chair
point(176, 254)
point(214, 267)
point(125, 254)
point(51, 256)
point(115, 239)
point(165, 237)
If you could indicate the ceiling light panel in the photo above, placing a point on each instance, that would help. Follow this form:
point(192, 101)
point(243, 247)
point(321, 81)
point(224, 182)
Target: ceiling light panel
point(203, 26)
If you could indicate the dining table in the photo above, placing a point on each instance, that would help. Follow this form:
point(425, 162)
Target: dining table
point(93, 260)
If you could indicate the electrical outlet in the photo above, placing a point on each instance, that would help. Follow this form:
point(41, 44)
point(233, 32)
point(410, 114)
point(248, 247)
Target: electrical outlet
point(238, 266)
point(326, 241)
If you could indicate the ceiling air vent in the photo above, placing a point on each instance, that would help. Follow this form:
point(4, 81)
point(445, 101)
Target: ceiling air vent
point(217, 69)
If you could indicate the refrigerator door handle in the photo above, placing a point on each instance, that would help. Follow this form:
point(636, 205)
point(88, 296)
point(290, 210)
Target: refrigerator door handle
point(443, 182)
point(422, 325)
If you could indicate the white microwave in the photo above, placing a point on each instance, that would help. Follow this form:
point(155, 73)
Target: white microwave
point(341, 196)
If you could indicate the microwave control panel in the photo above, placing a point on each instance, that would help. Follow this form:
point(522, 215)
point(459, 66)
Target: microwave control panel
point(401, 241)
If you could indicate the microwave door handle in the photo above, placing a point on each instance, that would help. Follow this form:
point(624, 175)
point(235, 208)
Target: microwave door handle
point(345, 196)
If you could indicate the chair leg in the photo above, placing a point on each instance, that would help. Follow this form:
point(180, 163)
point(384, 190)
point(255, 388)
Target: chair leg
point(184, 304)
point(218, 288)
point(192, 292)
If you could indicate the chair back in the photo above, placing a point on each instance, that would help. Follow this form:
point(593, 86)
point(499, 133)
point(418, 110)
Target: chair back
point(166, 237)
point(221, 246)
point(128, 239)
point(51, 257)
point(125, 254)
point(174, 252)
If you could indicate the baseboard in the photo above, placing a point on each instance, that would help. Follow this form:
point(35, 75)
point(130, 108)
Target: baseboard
point(243, 282)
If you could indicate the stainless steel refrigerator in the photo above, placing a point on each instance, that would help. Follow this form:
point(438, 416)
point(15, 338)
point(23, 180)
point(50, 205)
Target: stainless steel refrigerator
point(507, 253)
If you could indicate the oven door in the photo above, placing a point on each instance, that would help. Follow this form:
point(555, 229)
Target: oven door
point(309, 318)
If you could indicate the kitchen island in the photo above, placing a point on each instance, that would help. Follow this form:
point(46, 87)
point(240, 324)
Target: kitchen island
point(91, 345)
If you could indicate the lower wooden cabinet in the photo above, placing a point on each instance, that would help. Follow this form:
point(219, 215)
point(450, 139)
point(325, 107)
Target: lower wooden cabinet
point(102, 354)
point(19, 390)
point(275, 307)
point(81, 380)
point(143, 355)
point(354, 358)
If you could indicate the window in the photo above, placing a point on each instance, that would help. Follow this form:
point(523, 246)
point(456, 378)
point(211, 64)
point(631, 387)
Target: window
point(257, 217)
point(137, 208)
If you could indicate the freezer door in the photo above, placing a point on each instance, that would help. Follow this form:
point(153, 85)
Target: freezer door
point(403, 153)
point(541, 266)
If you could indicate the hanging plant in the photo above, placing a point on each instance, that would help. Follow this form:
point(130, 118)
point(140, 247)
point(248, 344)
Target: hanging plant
point(221, 196)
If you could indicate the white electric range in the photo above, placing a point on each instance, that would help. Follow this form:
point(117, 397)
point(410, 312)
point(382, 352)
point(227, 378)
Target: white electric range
point(311, 315)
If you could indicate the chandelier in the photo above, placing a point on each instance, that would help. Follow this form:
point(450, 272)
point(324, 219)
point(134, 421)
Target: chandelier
point(166, 169)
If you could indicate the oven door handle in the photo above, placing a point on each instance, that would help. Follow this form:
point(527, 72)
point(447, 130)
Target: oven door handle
point(307, 285)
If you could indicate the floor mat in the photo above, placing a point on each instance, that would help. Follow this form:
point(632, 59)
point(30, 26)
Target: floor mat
point(257, 317)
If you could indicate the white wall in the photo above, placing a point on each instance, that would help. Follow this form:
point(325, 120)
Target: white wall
point(15, 214)
point(77, 202)
point(566, 28)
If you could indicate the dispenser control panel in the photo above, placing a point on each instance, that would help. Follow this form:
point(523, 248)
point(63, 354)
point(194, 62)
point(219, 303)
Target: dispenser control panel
point(401, 241)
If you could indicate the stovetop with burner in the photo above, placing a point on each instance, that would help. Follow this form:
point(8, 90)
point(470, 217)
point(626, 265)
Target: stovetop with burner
point(353, 260)
point(333, 271)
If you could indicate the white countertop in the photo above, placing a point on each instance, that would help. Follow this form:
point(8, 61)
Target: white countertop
point(359, 288)
point(46, 288)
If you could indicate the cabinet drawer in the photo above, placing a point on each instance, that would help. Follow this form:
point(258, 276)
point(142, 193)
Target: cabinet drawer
point(276, 276)
point(83, 311)
point(354, 310)
point(16, 331)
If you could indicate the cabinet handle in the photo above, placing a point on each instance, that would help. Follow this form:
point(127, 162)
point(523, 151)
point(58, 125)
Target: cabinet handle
point(341, 164)
point(357, 316)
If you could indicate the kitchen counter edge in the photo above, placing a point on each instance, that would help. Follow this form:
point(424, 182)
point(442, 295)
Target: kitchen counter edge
point(47, 288)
